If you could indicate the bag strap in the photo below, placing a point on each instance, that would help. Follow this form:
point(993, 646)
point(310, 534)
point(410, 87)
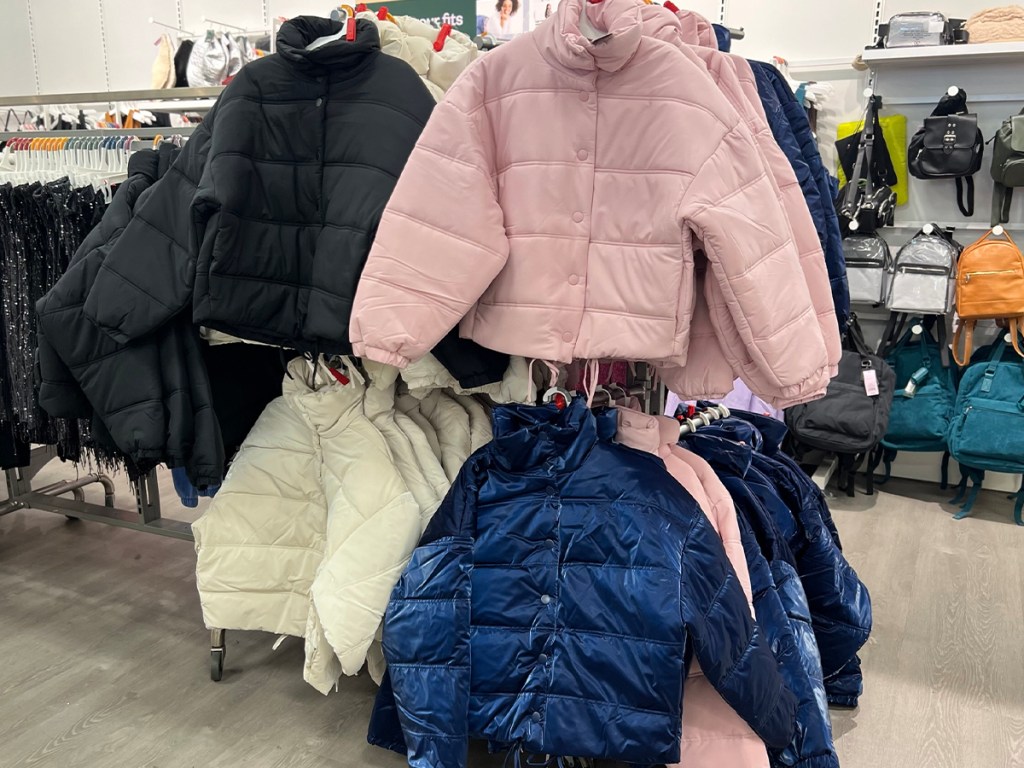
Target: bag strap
point(1015, 332)
point(891, 336)
point(962, 357)
point(966, 206)
point(940, 333)
point(855, 338)
point(1002, 199)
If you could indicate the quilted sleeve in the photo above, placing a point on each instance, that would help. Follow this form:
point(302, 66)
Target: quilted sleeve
point(440, 243)
point(765, 319)
point(427, 639)
point(146, 279)
point(733, 653)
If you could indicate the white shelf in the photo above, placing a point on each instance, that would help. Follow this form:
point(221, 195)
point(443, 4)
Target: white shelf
point(927, 54)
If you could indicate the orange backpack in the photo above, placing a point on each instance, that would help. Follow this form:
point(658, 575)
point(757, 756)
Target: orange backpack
point(989, 286)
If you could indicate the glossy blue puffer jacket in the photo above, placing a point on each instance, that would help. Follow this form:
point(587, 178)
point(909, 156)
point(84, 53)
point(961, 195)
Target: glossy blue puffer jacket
point(840, 603)
point(780, 603)
point(554, 603)
point(792, 132)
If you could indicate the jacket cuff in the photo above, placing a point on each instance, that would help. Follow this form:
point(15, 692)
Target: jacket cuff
point(828, 760)
point(379, 355)
point(843, 701)
point(811, 388)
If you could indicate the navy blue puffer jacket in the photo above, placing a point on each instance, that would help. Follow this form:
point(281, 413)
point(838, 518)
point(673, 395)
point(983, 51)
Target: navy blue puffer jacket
point(792, 131)
point(555, 601)
point(780, 603)
point(840, 602)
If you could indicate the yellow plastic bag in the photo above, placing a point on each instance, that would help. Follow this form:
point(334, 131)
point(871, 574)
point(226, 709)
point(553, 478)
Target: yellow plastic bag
point(894, 130)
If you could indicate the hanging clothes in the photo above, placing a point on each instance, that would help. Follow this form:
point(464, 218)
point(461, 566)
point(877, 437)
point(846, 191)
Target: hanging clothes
point(593, 522)
point(153, 395)
point(708, 365)
point(496, 131)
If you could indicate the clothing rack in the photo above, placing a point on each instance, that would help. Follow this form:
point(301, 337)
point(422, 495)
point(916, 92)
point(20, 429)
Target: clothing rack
point(111, 97)
point(21, 495)
point(142, 133)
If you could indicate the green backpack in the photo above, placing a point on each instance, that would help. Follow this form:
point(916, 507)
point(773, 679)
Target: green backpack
point(987, 431)
point(922, 407)
point(1007, 166)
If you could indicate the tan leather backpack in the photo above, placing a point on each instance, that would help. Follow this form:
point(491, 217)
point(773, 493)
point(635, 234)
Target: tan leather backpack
point(989, 286)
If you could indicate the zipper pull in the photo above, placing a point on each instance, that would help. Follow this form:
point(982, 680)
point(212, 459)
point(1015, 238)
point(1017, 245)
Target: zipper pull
point(967, 278)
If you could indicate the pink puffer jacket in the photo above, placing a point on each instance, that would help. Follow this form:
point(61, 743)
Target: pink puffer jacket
point(708, 373)
point(553, 204)
point(714, 736)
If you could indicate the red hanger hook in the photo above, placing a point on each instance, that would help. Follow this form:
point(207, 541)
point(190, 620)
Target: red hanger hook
point(671, 6)
point(382, 13)
point(446, 29)
point(361, 8)
point(350, 29)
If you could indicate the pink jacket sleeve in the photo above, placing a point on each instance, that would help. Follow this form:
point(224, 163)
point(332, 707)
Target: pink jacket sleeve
point(764, 316)
point(434, 254)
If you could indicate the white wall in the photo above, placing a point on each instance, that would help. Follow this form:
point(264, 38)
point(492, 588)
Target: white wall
point(54, 46)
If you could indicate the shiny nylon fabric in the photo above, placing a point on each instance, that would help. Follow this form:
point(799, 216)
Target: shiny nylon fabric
point(840, 602)
point(780, 603)
point(512, 622)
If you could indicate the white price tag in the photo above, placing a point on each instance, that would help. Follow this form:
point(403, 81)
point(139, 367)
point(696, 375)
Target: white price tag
point(871, 382)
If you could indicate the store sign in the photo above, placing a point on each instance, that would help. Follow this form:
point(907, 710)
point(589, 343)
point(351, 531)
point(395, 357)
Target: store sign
point(461, 14)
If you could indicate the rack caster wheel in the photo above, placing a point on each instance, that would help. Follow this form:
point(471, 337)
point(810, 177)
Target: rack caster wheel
point(218, 650)
point(216, 664)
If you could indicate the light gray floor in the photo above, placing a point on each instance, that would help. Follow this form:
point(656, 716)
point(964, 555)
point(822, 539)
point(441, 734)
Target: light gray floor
point(104, 660)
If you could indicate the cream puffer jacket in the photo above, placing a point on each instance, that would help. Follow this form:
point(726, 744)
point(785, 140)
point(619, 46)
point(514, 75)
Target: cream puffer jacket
point(707, 373)
point(535, 212)
point(412, 41)
point(311, 528)
point(714, 736)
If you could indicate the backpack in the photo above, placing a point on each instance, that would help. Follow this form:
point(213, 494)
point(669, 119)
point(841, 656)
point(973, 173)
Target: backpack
point(987, 432)
point(1007, 166)
point(949, 145)
point(868, 263)
point(867, 201)
point(989, 286)
point(923, 405)
point(924, 273)
point(847, 421)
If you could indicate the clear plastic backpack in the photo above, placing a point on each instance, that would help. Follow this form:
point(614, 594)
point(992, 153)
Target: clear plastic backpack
point(923, 276)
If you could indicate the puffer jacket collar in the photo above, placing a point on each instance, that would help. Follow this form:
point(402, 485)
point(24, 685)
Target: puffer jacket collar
point(297, 33)
point(561, 40)
point(733, 458)
point(543, 439)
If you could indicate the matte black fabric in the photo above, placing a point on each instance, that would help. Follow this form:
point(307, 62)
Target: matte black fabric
point(151, 395)
point(265, 221)
point(181, 58)
point(244, 378)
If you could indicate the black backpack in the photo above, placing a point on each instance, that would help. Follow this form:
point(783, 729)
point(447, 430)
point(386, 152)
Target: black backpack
point(949, 146)
point(847, 421)
point(1007, 166)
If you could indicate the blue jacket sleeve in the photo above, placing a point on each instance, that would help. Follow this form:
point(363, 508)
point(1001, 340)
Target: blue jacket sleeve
point(427, 638)
point(732, 651)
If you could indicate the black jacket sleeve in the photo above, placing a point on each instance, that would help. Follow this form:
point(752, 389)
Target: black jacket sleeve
point(147, 277)
point(733, 654)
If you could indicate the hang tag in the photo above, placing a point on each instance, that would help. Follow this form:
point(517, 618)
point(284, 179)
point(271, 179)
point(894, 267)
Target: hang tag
point(870, 382)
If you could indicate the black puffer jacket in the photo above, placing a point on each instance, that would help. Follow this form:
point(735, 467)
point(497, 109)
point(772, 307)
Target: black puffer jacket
point(265, 221)
point(152, 395)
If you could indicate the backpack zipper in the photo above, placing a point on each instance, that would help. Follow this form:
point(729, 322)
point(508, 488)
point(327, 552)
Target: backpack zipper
point(922, 269)
point(967, 278)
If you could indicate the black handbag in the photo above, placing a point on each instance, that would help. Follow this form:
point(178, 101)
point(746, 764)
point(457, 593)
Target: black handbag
point(949, 146)
point(848, 420)
point(867, 202)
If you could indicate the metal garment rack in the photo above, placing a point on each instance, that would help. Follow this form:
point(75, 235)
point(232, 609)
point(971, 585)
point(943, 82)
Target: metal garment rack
point(110, 97)
point(146, 517)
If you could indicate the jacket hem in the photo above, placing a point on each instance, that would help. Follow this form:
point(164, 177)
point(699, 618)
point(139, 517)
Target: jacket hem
point(812, 388)
point(830, 760)
point(379, 355)
point(843, 702)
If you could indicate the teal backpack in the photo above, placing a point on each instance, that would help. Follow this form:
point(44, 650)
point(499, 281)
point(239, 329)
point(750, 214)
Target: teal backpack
point(922, 407)
point(987, 432)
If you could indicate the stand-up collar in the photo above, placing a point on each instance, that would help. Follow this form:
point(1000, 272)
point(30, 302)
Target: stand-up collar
point(561, 39)
point(529, 438)
point(295, 34)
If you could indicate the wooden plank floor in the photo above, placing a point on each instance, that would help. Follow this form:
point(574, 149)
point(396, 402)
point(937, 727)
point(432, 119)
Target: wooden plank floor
point(104, 660)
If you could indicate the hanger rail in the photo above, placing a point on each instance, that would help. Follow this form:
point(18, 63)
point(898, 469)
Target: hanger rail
point(702, 416)
point(104, 97)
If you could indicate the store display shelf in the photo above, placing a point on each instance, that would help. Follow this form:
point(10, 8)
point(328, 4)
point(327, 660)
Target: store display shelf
point(966, 54)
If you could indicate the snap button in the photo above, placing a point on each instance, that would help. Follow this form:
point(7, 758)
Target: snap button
point(542, 658)
point(319, 102)
point(566, 336)
point(536, 717)
point(574, 279)
point(584, 96)
point(582, 154)
point(577, 217)
point(551, 543)
point(545, 599)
